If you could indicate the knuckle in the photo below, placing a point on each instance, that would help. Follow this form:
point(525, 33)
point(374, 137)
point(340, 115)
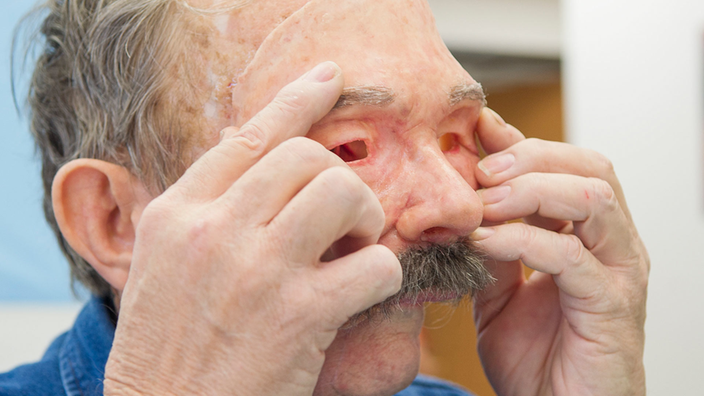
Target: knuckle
point(645, 259)
point(526, 234)
point(253, 136)
point(160, 211)
point(643, 275)
point(641, 267)
point(199, 229)
point(290, 102)
point(228, 131)
point(603, 165)
point(532, 144)
point(574, 249)
point(286, 106)
point(604, 193)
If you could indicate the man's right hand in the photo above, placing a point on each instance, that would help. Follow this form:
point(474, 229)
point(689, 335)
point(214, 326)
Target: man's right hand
point(227, 292)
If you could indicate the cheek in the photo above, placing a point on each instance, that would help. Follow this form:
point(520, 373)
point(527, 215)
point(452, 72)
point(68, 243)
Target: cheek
point(464, 161)
point(386, 173)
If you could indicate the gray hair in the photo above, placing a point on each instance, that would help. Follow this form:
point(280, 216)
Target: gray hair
point(100, 90)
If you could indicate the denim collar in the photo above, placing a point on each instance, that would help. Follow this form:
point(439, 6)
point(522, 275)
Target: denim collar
point(86, 348)
point(84, 353)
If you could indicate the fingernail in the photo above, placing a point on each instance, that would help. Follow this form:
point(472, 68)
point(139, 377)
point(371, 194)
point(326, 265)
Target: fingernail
point(322, 73)
point(498, 117)
point(482, 233)
point(494, 195)
point(496, 164)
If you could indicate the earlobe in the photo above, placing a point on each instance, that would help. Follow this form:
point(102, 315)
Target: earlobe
point(97, 205)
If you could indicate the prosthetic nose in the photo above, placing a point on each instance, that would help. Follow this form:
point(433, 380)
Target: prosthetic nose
point(441, 204)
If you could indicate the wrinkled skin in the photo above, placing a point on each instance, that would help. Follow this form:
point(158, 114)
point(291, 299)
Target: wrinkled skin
point(574, 328)
point(427, 195)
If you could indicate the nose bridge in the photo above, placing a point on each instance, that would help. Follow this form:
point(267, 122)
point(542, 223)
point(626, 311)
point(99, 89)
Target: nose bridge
point(441, 204)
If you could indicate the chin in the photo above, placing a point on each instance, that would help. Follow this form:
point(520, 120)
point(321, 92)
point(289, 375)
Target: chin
point(378, 357)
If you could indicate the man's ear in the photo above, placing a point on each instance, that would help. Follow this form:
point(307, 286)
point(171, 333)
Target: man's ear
point(97, 207)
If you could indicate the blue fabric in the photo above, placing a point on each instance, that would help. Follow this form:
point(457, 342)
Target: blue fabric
point(428, 386)
point(75, 362)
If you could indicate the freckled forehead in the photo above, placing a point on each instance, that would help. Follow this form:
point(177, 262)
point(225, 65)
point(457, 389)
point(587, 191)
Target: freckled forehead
point(391, 43)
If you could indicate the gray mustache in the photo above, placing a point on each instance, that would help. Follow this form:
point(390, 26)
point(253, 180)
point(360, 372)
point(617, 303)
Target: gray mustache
point(452, 271)
point(456, 269)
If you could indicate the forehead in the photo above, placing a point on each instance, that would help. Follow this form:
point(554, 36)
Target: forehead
point(389, 43)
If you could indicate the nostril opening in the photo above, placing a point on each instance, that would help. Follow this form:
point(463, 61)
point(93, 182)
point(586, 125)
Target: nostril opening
point(447, 142)
point(352, 151)
point(438, 235)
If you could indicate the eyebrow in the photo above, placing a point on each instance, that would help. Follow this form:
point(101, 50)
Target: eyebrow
point(465, 91)
point(380, 96)
point(365, 95)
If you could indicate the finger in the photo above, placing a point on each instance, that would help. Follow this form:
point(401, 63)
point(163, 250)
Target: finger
point(295, 108)
point(355, 282)
point(576, 271)
point(491, 301)
point(334, 204)
point(271, 183)
point(494, 133)
point(535, 155)
point(588, 202)
point(561, 226)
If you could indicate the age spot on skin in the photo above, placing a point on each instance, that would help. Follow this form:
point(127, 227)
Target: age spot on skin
point(352, 151)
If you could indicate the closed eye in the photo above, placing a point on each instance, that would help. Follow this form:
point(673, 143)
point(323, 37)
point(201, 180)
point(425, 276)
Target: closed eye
point(352, 151)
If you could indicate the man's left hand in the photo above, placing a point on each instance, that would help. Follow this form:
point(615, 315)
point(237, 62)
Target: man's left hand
point(576, 325)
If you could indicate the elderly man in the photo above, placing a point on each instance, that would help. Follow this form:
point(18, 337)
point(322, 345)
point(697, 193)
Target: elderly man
point(255, 219)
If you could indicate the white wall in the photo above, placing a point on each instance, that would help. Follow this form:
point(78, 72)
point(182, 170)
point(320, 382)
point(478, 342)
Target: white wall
point(634, 89)
point(27, 329)
point(505, 27)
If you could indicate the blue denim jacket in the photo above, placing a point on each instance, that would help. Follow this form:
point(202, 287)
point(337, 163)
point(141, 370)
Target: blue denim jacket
point(75, 362)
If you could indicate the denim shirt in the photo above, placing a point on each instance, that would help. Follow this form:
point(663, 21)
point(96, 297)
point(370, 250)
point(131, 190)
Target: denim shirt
point(74, 364)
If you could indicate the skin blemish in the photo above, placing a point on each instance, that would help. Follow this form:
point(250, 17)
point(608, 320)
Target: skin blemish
point(221, 22)
point(211, 109)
